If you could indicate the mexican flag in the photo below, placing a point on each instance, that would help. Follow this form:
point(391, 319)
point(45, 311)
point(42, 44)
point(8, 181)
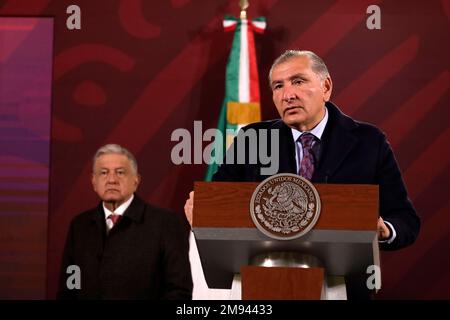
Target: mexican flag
point(241, 104)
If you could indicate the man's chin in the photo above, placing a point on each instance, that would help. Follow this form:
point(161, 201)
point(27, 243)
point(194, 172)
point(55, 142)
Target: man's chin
point(111, 199)
point(293, 120)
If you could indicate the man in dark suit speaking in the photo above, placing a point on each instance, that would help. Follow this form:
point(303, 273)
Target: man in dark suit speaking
point(320, 143)
point(124, 248)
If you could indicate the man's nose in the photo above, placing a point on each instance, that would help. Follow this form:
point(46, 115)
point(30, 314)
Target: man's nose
point(112, 177)
point(288, 93)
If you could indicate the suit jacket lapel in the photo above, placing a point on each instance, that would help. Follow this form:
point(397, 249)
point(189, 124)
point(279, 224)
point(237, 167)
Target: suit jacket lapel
point(99, 223)
point(98, 216)
point(287, 149)
point(136, 209)
point(337, 142)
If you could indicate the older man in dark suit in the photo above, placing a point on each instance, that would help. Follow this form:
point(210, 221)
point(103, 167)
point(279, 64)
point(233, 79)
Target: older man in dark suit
point(320, 143)
point(125, 248)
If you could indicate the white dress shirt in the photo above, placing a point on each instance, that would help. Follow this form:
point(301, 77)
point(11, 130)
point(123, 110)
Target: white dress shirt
point(120, 210)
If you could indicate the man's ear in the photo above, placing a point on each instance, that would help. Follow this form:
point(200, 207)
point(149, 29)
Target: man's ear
point(137, 180)
point(327, 88)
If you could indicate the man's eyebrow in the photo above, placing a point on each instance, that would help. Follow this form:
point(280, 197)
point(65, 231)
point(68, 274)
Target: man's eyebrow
point(294, 76)
point(297, 75)
point(118, 168)
point(275, 82)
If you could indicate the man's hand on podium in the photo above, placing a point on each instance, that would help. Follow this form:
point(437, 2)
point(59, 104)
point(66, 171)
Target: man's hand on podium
point(189, 207)
point(383, 231)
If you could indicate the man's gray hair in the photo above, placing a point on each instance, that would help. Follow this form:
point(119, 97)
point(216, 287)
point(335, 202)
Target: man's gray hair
point(317, 64)
point(115, 149)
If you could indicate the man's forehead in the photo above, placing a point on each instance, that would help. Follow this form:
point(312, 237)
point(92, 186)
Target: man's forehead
point(295, 66)
point(291, 75)
point(112, 160)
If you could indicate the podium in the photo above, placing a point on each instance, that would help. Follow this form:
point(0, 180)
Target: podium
point(344, 239)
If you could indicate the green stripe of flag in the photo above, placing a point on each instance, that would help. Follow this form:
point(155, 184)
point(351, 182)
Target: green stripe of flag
point(231, 94)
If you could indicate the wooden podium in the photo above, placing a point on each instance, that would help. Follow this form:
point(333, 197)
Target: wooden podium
point(344, 239)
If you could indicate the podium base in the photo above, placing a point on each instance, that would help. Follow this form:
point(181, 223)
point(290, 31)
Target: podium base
point(335, 286)
point(282, 283)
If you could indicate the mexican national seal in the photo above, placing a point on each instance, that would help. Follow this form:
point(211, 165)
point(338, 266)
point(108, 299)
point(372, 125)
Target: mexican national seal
point(285, 206)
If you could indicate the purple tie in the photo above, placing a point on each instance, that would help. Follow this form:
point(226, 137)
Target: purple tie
point(307, 163)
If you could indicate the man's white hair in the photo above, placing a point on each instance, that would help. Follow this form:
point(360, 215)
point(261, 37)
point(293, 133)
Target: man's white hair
point(115, 149)
point(317, 64)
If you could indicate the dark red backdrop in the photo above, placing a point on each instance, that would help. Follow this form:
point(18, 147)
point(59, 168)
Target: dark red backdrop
point(137, 70)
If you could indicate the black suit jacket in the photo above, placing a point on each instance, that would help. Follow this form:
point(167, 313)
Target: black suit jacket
point(144, 256)
point(349, 152)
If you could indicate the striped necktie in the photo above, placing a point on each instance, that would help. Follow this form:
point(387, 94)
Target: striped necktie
point(307, 162)
point(114, 218)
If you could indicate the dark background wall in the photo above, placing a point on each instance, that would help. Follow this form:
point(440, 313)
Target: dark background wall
point(137, 70)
